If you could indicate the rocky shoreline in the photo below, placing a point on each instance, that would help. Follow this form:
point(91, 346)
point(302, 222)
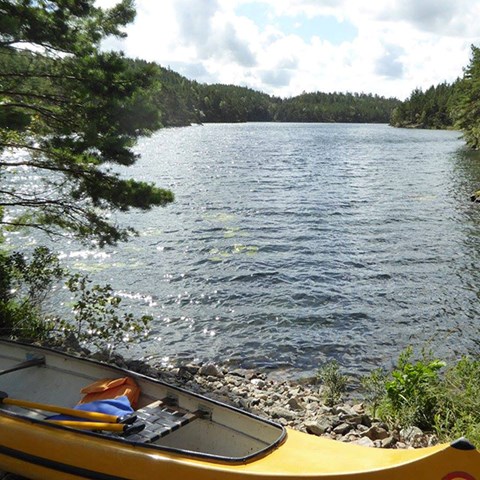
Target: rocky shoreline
point(294, 404)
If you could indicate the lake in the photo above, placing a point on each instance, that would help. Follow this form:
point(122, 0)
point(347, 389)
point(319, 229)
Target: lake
point(292, 244)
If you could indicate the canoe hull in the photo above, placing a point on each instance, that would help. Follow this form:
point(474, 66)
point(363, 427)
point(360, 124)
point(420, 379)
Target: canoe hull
point(38, 456)
point(34, 448)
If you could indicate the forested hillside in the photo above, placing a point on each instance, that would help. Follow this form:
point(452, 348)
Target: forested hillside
point(429, 109)
point(455, 105)
point(182, 101)
point(336, 107)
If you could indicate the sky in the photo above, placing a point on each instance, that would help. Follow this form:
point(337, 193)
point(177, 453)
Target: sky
point(287, 47)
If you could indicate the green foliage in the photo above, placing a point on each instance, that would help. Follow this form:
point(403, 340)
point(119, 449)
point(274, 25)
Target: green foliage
point(24, 285)
point(333, 381)
point(408, 395)
point(459, 402)
point(429, 109)
point(336, 107)
point(415, 393)
point(228, 103)
point(97, 320)
point(374, 388)
point(411, 391)
point(67, 112)
point(467, 106)
point(446, 106)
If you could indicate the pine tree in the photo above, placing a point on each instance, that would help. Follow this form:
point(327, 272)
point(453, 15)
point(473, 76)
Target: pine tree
point(466, 110)
point(69, 113)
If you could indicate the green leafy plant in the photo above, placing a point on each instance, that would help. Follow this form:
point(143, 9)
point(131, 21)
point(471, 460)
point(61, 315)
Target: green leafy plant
point(458, 412)
point(408, 396)
point(24, 284)
point(374, 388)
point(97, 319)
point(333, 381)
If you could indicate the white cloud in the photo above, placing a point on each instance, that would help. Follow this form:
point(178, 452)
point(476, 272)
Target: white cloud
point(400, 44)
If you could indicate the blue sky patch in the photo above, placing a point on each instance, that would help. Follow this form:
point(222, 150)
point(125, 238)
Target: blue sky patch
point(325, 27)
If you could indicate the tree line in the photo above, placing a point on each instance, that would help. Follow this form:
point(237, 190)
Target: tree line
point(455, 105)
point(182, 101)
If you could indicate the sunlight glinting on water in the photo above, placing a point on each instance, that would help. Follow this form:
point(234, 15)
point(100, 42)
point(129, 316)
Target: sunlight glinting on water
point(290, 244)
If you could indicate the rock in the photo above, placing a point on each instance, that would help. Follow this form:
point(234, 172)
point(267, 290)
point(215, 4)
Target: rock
point(354, 420)
point(317, 427)
point(364, 442)
point(387, 442)
point(344, 411)
point(295, 404)
point(210, 370)
point(258, 382)
point(475, 196)
point(188, 370)
point(375, 433)
point(342, 429)
point(410, 434)
point(359, 408)
point(279, 412)
point(366, 420)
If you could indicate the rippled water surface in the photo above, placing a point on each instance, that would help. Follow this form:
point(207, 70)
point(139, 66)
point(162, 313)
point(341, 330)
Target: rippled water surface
point(289, 244)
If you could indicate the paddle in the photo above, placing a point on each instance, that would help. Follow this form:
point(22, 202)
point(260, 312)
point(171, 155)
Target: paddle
point(96, 416)
point(28, 363)
point(110, 427)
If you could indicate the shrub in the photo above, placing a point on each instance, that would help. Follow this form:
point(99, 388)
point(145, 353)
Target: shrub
point(333, 381)
point(459, 402)
point(25, 283)
point(97, 319)
point(410, 391)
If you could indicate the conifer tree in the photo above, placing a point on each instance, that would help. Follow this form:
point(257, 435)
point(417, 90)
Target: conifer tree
point(69, 113)
point(467, 105)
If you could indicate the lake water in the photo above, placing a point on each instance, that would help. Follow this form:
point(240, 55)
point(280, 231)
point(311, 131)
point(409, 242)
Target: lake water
point(292, 244)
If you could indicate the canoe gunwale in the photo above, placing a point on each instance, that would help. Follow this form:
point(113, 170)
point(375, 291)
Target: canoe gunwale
point(150, 446)
point(220, 459)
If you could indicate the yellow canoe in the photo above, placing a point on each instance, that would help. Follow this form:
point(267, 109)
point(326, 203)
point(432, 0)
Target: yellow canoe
point(219, 443)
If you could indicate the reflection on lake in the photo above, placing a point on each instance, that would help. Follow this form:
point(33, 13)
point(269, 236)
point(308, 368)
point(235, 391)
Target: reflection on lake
point(289, 244)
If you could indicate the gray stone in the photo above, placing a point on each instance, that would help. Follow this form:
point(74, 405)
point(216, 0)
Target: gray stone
point(375, 433)
point(388, 442)
point(210, 370)
point(279, 412)
point(409, 434)
point(188, 370)
point(258, 382)
point(364, 442)
point(354, 419)
point(342, 429)
point(316, 427)
point(359, 408)
point(295, 404)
